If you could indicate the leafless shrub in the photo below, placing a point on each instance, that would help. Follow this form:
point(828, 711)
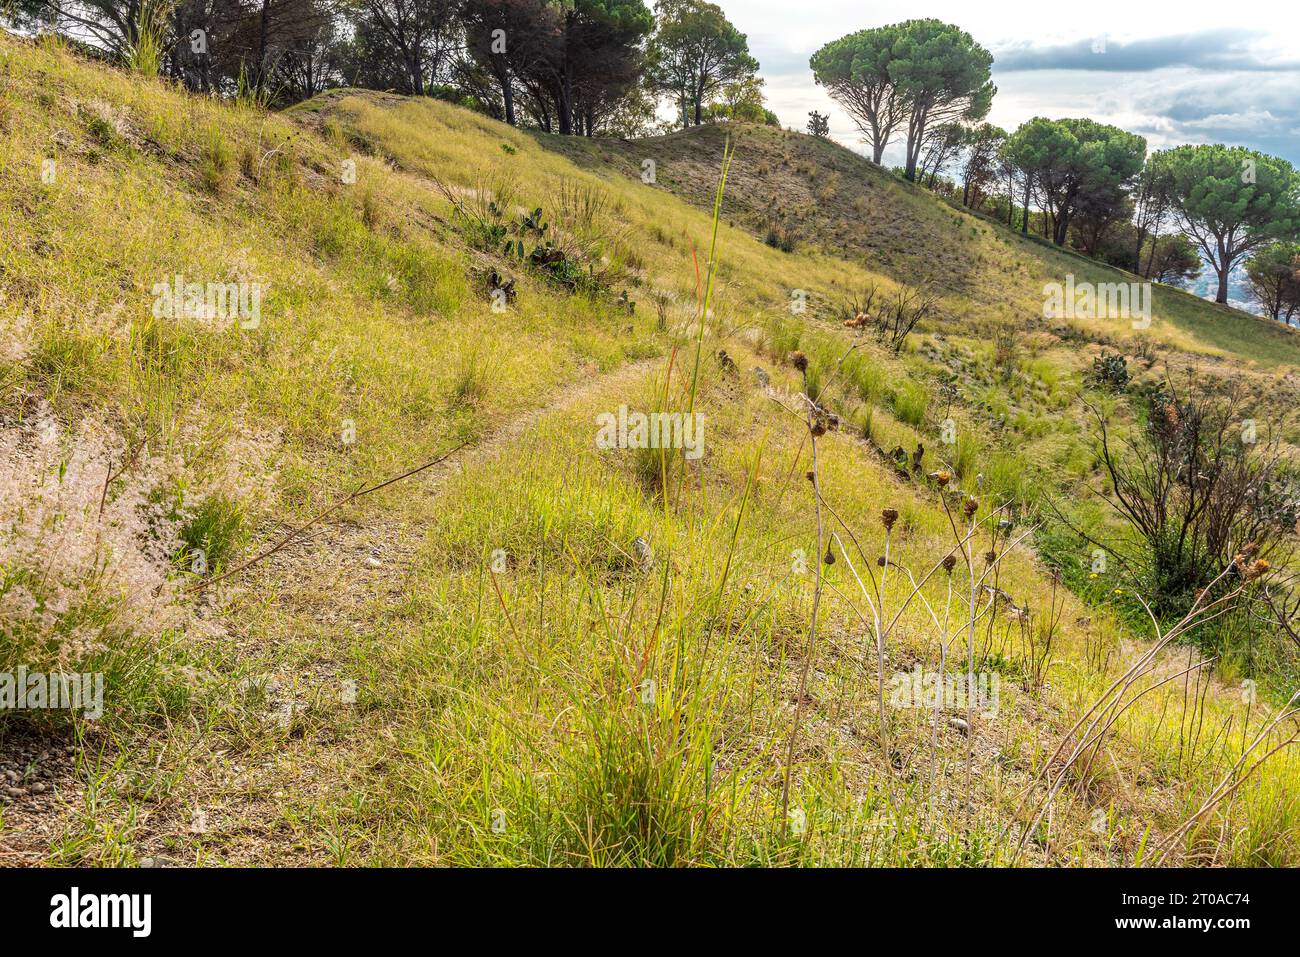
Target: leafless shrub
point(1197, 483)
point(1277, 604)
point(891, 316)
point(859, 310)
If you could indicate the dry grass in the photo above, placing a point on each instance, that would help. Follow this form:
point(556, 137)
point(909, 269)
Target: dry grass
point(456, 671)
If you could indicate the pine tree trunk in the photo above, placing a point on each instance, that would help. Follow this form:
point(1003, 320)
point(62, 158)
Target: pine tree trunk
point(261, 46)
point(507, 96)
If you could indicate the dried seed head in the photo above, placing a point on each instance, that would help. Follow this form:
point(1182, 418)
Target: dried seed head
point(830, 556)
point(799, 361)
point(888, 516)
point(880, 562)
point(990, 556)
point(1258, 569)
point(810, 475)
point(970, 506)
point(950, 563)
point(1250, 550)
point(818, 426)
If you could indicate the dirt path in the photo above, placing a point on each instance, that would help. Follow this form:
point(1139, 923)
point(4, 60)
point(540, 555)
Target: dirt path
point(378, 552)
point(228, 805)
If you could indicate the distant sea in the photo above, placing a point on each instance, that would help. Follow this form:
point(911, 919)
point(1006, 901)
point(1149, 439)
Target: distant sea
point(1207, 284)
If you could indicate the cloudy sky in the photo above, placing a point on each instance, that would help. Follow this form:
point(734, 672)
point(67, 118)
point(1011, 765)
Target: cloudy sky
point(1175, 71)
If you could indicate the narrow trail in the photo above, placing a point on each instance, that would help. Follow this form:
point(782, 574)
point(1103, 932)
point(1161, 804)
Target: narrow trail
point(379, 552)
point(566, 399)
point(309, 599)
point(329, 583)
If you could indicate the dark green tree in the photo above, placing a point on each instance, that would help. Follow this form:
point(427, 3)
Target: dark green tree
point(981, 146)
point(602, 59)
point(943, 76)
point(1028, 150)
point(1172, 259)
point(401, 44)
point(855, 70)
point(110, 25)
point(1076, 164)
point(572, 65)
point(511, 39)
point(1152, 199)
point(697, 50)
point(1231, 200)
point(1273, 274)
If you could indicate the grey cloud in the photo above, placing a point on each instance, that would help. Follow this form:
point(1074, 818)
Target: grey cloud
point(1261, 112)
point(1205, 50)
point(1175, 102)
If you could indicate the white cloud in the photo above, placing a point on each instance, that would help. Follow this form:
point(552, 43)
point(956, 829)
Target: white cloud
point(1249, 121)
point(1216, 80)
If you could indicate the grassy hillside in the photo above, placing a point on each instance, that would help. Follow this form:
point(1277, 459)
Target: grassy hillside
point(535, 650)
point(837, 202)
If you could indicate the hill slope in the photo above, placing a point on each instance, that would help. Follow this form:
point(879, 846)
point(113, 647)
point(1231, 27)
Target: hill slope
point(836, 201)
point(535, 650)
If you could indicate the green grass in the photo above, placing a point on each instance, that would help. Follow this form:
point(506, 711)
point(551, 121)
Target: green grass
point(477, 665)
point(911, 400)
